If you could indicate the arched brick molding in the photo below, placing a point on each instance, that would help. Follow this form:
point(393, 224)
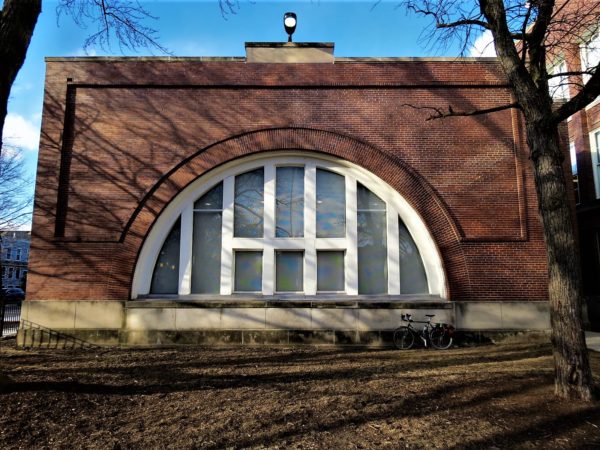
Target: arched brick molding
point(387, 166)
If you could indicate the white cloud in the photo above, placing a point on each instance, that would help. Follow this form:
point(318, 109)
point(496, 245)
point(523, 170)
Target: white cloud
point(483, 45)
point(21, 133)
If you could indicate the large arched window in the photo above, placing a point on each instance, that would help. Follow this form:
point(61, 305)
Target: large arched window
point(289, 224)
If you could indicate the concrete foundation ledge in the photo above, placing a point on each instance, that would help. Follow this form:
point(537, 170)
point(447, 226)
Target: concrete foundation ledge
point(259, 322)
point(257, 337)
point(82, 315)
point(74, 339)
point(61, 339)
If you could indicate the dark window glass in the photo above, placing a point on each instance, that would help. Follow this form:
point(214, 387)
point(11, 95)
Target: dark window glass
point(165, 278)
point(413, 279)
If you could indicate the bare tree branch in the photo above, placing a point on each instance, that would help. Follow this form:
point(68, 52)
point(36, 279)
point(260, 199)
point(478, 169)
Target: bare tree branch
point(588, 93)
point(123, 20)
point(439, 113)
point(15, 200)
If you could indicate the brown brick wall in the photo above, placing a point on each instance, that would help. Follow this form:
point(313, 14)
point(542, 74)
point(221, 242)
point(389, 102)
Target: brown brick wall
point(138, 131)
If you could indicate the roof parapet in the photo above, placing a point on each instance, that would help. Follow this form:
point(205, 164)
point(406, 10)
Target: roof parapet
point(289, 52)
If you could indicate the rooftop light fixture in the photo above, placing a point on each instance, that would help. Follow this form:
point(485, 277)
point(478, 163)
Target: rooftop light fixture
point(289, 22)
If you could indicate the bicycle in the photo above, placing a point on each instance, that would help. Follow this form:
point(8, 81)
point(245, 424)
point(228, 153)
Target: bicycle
point(438, 334)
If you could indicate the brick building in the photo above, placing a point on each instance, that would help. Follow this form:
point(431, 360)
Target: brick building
point(288, 196)
point(581, 52)
point(14, 250)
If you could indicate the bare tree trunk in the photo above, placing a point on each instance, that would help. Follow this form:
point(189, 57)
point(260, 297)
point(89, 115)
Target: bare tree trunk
point(17, 21)
point(573, 377)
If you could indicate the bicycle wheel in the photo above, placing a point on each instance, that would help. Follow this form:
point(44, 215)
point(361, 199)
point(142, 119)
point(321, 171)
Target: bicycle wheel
point(440, 338)
point(404, 338)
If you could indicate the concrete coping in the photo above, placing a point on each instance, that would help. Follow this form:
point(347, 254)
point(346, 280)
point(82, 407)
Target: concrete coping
point(242, 59)
point(292, 301)
point(290, 44)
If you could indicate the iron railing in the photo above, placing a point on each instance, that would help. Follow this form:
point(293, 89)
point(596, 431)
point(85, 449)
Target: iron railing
point(10, 316)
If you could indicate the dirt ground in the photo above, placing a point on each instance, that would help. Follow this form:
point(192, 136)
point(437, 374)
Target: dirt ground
point(304, 397)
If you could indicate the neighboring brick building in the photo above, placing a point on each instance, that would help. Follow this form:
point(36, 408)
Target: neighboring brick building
point(581, 53)
point(14, 250)
point(260, 200)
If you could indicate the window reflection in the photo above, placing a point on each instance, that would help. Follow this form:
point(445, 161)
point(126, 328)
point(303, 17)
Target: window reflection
point(289, 271)
point(372, 242)
point(206, 242)
point(248, 271)
point(249, 204)
point(289, 202)
point(330, 271)
point(331, 204)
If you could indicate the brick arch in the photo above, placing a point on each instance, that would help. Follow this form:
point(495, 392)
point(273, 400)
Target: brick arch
point(389, 167)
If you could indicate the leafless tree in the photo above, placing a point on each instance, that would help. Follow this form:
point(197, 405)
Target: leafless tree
point(527, 35)
point(15, 201)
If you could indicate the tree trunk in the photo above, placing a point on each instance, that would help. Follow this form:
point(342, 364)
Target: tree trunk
point(573, 377)
point(17, 21)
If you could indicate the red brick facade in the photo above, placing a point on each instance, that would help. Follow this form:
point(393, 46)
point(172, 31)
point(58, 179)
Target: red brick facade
point(573, 28)
point(121, 137)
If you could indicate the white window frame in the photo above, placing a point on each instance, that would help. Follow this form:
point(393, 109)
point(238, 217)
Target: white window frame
point(559, 86)
point(594, 146)
point(182, 206)
point(573, 158)
point(591, 44)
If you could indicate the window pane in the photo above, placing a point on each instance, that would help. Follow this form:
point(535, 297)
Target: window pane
point(206, 253)
point(289, 192)
point(248, 271)
point(366, 200)
point(330, 271)
point(289, 270)
point(165, 279)
point(413, 279)
point(213, 199)
point(249, 204)
point(372, 252)
point(372, 242)
point(331, 204)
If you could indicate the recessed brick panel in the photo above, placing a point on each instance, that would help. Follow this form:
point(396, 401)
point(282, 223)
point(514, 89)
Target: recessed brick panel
point(145, 129)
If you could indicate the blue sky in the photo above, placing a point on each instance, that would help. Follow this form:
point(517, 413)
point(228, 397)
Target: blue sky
point(197, 28)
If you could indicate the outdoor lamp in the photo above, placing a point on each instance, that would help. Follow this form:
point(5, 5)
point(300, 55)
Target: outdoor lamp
point(289, 22)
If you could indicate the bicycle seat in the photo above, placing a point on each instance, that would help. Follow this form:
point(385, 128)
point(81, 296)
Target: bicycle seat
point(429, 315)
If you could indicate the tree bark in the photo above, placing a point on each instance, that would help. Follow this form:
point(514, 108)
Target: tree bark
point(573, 377)
point(17, 22)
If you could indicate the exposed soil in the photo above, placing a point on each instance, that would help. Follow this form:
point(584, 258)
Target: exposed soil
point(484, 397)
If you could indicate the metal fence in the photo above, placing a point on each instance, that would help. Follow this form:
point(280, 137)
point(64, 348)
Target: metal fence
point(10, 316)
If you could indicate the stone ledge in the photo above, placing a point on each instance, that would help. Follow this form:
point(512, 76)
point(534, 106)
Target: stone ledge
point(243, 301)
point(68, 339)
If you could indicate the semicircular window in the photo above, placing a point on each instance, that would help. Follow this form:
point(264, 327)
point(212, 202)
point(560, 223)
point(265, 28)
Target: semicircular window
point(299, 227)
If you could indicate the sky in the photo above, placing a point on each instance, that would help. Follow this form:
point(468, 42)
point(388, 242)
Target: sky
point(197, 28)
